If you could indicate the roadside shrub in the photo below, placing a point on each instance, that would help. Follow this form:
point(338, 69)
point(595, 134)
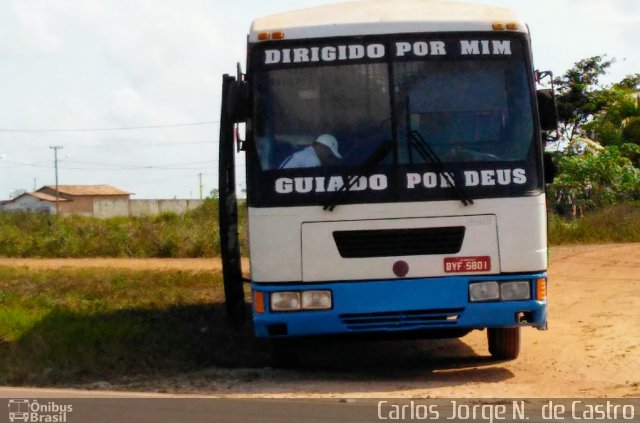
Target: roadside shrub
point(617, 223)
point(193, 234)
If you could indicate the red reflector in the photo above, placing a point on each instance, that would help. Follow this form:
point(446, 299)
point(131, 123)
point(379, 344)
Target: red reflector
point(258, 301)
point(400, 268)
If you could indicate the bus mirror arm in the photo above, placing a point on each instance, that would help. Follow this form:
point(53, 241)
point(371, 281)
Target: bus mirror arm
point(366, 167)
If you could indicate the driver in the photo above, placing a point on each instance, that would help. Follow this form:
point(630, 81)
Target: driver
point(322, 151)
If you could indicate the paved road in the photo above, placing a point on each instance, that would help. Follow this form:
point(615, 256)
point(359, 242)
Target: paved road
point(103, 407)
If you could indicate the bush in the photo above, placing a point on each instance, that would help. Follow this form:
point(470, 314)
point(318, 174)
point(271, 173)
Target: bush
point(618, 223)
point(595, 179)
point(194, 234)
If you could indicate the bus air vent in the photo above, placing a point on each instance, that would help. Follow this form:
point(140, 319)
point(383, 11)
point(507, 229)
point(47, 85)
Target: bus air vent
point(399, 242)
point(413, 319)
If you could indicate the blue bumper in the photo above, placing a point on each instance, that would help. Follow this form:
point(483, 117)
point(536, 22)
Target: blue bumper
point(399, 305)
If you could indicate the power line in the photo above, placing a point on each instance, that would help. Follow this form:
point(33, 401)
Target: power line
point(142, 145)
point(141, 166)
point(129, 144)
point(122, 128)
point(123, 167)
point(20, 164)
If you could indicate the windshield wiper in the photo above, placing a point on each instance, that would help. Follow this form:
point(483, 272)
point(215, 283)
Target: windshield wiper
point(427, 153)
point(365, 168)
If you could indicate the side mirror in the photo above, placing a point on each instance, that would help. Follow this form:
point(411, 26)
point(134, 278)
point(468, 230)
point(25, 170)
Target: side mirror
point(238, 101)
point(550, 168)
point(548, 110)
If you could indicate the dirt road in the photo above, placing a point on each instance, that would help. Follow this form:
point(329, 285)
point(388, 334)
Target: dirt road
point(592, 347)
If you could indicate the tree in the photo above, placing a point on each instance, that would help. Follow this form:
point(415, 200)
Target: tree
point(579, 95)
point(618, 123)
point(614, 124)
point(631, 129)
point(608, 171)
point(596, 179)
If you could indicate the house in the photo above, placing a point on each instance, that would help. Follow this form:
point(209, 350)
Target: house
point(102, 201)
point(35, 202)
point(82, 197)
point(71, 199)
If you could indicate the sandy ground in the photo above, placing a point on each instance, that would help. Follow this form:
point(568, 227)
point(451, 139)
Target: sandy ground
point(592, 347)
point(208, 264)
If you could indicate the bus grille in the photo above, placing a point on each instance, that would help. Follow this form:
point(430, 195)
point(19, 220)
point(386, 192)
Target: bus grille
point(399, 242)
point(402, 319)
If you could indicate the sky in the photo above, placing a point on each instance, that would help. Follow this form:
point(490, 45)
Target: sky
point(130, 89)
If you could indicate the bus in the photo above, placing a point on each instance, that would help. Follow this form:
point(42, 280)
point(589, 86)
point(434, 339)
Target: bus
point(395, 180)
point(18, 410)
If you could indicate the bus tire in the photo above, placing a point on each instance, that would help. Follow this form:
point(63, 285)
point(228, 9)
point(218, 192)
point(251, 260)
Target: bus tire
point(504, 343)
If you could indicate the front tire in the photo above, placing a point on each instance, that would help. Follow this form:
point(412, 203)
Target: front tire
point(504, 343)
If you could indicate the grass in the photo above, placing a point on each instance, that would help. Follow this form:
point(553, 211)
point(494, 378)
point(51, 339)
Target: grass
point(75, 325)
point(615, 224)
point(150, 329)
point(193, 234)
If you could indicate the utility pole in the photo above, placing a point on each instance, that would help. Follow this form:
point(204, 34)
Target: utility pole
point(55, 149)
point(200, 178)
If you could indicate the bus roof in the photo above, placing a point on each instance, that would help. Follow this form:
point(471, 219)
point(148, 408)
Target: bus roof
point(369, 17)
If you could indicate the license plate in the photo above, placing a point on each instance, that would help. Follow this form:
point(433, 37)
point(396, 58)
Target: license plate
point(467, 264)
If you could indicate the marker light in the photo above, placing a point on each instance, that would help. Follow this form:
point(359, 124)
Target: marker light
point(512, 26)
point(497, 26)
point(484, 291)
point(258, 301)
point(278, 35)
point(263, 36)
point(285, 301)
point(316, 300)
point(515, 291)
point(541, 289)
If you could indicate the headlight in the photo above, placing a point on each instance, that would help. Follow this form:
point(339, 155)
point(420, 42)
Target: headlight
point(484, 291)
point(316, 300)
point(513, 291)
point(301, 300)
point(285, 301)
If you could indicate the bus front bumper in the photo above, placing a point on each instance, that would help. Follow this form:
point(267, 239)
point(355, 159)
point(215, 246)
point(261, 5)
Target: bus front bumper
point(399, 306)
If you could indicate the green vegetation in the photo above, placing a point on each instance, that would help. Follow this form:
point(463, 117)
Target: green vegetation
point(617, 223)
point(599, 127)
point(194, 234)
point(67, 325)
point(595, 180)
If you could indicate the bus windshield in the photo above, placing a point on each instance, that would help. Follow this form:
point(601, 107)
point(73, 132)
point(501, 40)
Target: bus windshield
point(468, 110)
point(349, 102)
point(472, 105)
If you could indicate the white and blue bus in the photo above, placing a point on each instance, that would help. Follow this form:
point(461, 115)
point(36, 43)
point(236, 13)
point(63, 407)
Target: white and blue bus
point(394, 170)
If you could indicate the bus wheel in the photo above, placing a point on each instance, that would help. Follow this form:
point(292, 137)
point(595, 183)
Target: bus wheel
point(504, 343)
